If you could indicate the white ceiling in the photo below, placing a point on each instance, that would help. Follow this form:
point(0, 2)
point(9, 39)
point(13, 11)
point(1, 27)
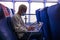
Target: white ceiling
point(28, 0)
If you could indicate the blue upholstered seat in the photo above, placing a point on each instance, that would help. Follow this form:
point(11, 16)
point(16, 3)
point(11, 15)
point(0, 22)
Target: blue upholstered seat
point(51, 18)
point(6, 30)
point(54, 19)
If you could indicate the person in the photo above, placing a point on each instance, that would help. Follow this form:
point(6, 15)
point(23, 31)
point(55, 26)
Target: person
point(18, 23)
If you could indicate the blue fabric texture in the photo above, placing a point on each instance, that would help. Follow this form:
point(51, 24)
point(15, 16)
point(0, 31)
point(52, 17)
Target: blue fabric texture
point(51, 18)
point(38, 15)
point(42, 16)
point(54, 17)
point(1, 13)
point(6, 30)
point(46, 26)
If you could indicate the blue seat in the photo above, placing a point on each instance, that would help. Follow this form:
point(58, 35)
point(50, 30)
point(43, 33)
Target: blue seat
point(51, 18)
point(6, 30)
point(54, 19)
point(38, 15)
point(46, 26)
point(1, 13)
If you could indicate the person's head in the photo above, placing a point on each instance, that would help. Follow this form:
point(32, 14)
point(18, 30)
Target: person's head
point(22, 9)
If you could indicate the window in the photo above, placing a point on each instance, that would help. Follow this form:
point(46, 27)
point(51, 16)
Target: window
point(25, 20)
point(50, 4)
point(7, 4)
point(19, 3)
point(32, 18)
point(35, 6)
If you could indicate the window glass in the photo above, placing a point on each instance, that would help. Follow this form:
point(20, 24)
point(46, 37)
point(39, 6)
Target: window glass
point(35, 6)
point(27, 18)
point(50, 4)
point(7, 4)
point(32, 18)
point(19, 3)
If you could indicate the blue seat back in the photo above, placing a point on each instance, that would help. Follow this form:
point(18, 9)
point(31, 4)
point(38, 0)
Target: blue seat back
point(38, 15)
point(46, 26)
point(6, 30)
point(54, 17)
